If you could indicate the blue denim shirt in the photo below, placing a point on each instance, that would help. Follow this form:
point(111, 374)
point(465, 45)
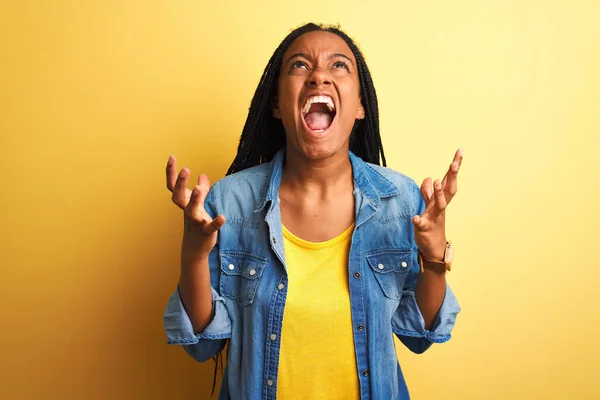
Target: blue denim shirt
point(249, 283)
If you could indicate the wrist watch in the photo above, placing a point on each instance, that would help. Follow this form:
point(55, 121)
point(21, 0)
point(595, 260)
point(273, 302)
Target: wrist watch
point(438, 266)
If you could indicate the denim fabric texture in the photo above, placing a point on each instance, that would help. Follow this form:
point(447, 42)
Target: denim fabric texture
point(249, 283)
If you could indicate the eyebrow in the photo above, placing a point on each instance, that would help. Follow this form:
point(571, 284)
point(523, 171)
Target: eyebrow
point(334, 55)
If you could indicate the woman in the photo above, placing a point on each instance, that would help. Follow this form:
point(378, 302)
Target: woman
point(307, 258)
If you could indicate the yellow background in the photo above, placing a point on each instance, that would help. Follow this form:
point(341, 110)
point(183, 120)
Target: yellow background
point(95, 95)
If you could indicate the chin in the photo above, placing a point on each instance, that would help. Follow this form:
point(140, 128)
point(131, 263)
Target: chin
point(320, 150)
point(318, 153)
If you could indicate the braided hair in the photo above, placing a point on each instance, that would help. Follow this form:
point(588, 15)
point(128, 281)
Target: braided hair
point(263, 135)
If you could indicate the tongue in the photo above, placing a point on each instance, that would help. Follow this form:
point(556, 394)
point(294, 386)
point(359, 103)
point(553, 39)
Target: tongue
point(318, 121)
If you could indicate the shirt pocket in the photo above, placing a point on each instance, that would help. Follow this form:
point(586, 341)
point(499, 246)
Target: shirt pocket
point(390, 267)
point(241, 274)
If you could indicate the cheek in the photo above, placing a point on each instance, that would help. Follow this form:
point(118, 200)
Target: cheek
point(352, 100)
point(349, 85)
point(287, 100)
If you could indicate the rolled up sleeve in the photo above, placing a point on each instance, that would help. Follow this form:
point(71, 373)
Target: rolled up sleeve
point(179, 328)
point(408, 320)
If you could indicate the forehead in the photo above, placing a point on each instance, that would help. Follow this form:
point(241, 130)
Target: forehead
point(319, 43)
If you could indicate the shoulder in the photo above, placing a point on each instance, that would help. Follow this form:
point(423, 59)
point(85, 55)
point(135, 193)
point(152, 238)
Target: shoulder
point(403, 183)
point(245, 178)
point(400, 195)
point(241, 192)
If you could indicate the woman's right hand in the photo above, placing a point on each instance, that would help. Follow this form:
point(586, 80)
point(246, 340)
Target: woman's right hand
point(200, 230)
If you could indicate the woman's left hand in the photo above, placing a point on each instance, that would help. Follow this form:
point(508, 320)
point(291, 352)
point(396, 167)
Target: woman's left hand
point(430, 227)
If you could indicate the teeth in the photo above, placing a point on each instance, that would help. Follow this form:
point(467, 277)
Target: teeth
point(318, 99)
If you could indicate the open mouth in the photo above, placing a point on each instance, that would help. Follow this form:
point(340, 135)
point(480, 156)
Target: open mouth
point(318, 113)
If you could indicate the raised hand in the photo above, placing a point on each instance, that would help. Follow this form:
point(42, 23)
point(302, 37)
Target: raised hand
point(200, 230)
point(430, 227)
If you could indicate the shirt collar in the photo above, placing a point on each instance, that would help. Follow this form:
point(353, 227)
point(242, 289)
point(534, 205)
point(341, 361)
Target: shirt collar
point(370, 182)
point(271, 190)
point(367, 180)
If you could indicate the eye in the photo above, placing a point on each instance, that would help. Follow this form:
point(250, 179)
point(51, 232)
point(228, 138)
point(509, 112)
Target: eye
point(340, 64)
point(299, 64)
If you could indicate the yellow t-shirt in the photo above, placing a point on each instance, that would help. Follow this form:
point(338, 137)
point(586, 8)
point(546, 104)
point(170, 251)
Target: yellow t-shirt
point(317, 358)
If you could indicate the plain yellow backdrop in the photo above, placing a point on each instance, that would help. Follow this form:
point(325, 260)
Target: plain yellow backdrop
point(95, 95)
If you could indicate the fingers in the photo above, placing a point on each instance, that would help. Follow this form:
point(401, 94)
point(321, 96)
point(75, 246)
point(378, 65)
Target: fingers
point(194, 209)
point(450, 182)
point(215, 225)
point(426, 190)
point(420, 223)
point(443, 192)
point(192, 202)
point(196, 213)
point(458, 156)
point(171, 172)
point(435, 208)
point(204, 187)
point(181, 194)
point(440, 200)
point(177, 184)
point(203, 226)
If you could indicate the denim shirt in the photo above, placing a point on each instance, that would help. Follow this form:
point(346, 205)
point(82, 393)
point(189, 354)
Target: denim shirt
point(249, 283)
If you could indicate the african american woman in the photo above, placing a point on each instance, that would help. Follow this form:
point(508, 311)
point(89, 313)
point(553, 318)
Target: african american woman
point(309, 256)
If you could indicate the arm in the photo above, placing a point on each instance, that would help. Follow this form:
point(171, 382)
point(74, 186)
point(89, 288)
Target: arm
point(428, 309)
point(196, 311)
point(410, 321)
point(430, 238)
point(196, 293)
point(430, 292)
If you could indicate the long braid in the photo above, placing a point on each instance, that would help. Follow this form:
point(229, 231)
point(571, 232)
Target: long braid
point(263, 135)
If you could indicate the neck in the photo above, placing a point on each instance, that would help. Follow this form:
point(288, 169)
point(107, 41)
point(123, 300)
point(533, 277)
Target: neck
point(301, 174)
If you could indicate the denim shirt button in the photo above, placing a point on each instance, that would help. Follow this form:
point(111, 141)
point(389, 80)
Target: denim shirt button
point(273, 336)
point(231, 267)
point(404, 264)
point(252, 272)
point(380, 266)
point(274, 240)
point(357, 275)
point(361, 327)
point(365, 373)
point(269, 382)
point(280, 286)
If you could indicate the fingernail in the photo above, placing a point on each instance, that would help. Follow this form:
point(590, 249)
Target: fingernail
point(460, 151)
point(438, 185)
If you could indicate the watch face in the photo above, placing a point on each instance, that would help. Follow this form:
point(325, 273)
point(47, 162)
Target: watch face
point(448, 253)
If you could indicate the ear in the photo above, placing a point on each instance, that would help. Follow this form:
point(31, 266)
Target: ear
point(275, 107)
point(360, 112)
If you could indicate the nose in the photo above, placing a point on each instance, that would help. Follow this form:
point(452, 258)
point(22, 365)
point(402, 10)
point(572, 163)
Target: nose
point(319, 77)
